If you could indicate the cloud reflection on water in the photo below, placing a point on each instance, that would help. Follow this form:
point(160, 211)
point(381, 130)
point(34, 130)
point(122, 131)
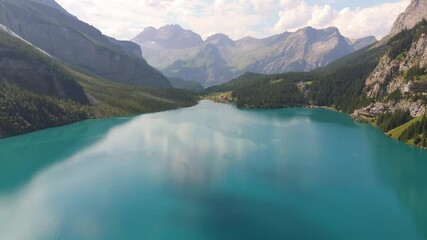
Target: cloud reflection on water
point(138, 151)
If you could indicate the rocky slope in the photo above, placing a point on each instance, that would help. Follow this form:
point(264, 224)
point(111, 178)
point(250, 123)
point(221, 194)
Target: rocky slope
point(49, 27)
point(303, 50)
point(399, 82)
point(415, 12)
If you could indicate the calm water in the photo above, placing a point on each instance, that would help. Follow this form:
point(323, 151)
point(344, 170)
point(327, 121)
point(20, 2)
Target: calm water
point(213, 172)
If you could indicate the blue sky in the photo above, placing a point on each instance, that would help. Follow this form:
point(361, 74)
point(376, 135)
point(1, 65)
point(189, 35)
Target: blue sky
point(239, 18)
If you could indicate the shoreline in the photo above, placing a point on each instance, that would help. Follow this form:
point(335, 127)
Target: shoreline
point(216, 100)
point(4, 136)
point(368, 121)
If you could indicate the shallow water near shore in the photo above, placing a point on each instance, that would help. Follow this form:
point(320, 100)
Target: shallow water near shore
point(213, 172)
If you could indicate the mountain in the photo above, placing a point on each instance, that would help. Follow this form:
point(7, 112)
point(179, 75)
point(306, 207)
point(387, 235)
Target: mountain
point(414, 13)
point(169, 36)
point(49, 27)
point(303, 50)
point(38, 91)
point(31, 69)
point(363, 42)
point(400, 79)
point(207, 68)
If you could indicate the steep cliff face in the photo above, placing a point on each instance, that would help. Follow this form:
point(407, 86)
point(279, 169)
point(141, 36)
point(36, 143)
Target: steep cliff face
point(400, 79)
point(415, 12)
point(35, 71)
point(389, 76)
point(399, 82)
point(49, 27)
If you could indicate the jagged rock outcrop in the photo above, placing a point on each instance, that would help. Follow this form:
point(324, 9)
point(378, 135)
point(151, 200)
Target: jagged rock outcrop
point(49, 27)
point(388, 76)
point(416, 108)
point(414, 13)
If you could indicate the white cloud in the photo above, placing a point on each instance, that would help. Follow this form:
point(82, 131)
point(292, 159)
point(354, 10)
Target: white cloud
point(236, 18)
point(376, 20)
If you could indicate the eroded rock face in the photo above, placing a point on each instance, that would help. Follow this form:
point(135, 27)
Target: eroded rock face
point(416, 108)
point(387, 76)
point(416, 11)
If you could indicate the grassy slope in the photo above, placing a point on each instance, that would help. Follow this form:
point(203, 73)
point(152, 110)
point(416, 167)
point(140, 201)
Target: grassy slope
point(395, 133)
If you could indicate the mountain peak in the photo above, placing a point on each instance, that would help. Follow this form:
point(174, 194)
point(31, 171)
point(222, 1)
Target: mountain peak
point(306, 29)
point(169, 36)
point(220, 39)
point(333, 29)
point(172, 27)
point(310, 30)
point(414, 13)
point(149, 28)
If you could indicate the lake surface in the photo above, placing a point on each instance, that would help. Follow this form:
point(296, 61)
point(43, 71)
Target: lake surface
point(213, 172)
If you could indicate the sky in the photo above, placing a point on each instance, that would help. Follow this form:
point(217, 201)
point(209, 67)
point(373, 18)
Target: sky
point(124, 19)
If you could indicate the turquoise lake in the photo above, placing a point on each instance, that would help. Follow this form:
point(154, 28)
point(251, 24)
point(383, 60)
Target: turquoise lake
point(213, 172)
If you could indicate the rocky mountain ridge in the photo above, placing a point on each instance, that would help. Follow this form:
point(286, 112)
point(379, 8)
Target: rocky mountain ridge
point(414, 13)
point(303, 50)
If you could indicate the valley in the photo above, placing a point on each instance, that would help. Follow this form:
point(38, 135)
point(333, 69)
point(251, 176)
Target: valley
point(312, 129)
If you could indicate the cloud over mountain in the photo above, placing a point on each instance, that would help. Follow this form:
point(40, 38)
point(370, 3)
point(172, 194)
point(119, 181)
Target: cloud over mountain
point(258, 18)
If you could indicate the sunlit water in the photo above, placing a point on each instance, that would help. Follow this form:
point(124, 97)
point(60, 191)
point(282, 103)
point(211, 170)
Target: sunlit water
point(213, 172)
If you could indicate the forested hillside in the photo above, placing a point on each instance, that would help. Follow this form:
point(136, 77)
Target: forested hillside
point(338, 85)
